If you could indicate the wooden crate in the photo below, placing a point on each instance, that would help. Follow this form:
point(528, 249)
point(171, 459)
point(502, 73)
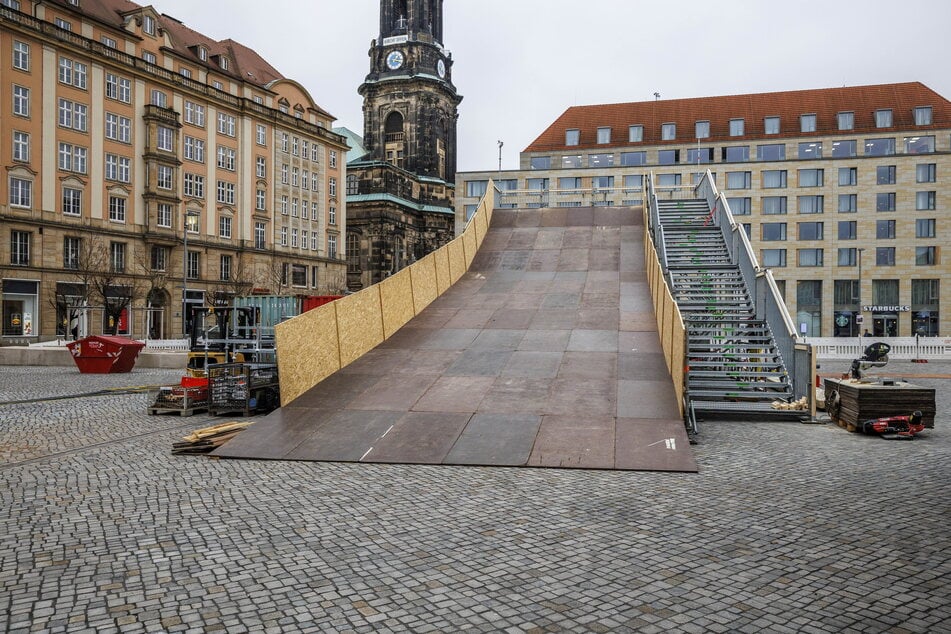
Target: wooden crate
point(864, 401)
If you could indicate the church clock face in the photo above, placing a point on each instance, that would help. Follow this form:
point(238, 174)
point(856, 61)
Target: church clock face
point(441, 68)
point(395, 60)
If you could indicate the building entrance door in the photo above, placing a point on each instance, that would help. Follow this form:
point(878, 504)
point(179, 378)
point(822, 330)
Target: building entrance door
point(885, 325)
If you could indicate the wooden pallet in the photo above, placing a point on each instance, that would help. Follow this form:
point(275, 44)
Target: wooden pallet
point(190, 411)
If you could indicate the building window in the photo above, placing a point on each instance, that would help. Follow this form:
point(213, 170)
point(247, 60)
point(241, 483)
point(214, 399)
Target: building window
point(885, 202)
point(925, 201)
point(811, 204)
point(810, 257)
point(668, 132)
point(150, 58)
point(333, 156)
point(332, 187)
point(21, 146)
point(600, 160)
point(194, 185)
point(925, 256)
point(194, 149)
point(224, 227)
point(883, 118)
point(736, 154)
point(224, 268)
point(63, 24)
point(283, 205)
point(117, 256)
point(635, 133)
point(633, 158)
point(185, 72)
point(116, 209)
point(925, 228)
point(771, 125)
point(314, 241)
point(773, 231)
point(72, 115)
point(811, 178)
point(739, 180)
point(303, 153)
point(774, 179)
point(314, 182)
point(118, 128)
point(294, 205)
point(604, 136)
point(193, 270)
point(72, 158)
point(295, 146)
point(71, 248)
point(315, 211)
point(885, 229)
point(699, 156)
point(923, 115)
point(668, 180)
point(885, 256)
point(225, 193)
point(848, 176)
point(119, 88)
point(284, 140)
point(159, 259)
point(303, 239)
point(260, 235)
point(226, 157)
point(298, 275)
point(283, 236)
point(21, 192)
point(811, 230)
point(20, 248)
point(773, 258)
point(846, 120)
point(259, 200)
point(332, 215)
point(72, 73)
point(108, 41)
point(118, 168)
point(885, 175)
point(809, 151)
point(570, 161)
point(164, 139)
point(332, 247)
point(226, 123)
point(848, 203)
point(807, 123)
point(774, 205)
point(847, 257)
point(539, 163)
point(737, 127)
point(164, 177)
point(879, 147)
point(295, 177)
point(843, 149)
point(919, 145)
point(925, 173)
point(702, 130)
point(159, 99)
point(848, 230)
point(771, 152)
point(21, 55)
point(148, 24)
point(163, 215)
point(740, 206)
point(668, 157)
point(260, 169)
point(72, 201)
point(195, 114)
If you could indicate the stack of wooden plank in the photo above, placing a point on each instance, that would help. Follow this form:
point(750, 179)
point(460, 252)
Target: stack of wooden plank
point(860, 401)
point(208, 439)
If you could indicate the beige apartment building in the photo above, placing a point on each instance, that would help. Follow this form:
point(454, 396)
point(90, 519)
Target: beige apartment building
point(149, 167)
point(844, 192)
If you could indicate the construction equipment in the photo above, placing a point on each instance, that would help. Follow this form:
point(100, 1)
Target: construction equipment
point(875, 356)
point(894, 427)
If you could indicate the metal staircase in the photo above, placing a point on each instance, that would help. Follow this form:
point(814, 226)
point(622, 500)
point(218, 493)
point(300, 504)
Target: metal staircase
point(735, 367)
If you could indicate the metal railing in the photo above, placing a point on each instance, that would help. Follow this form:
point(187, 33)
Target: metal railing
point(936, 348)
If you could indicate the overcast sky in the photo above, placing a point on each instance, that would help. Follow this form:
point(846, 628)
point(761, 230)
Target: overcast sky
point(520, 63)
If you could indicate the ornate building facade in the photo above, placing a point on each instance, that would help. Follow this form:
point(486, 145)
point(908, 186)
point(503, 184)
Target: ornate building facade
point(400, 192)
point(148, 167)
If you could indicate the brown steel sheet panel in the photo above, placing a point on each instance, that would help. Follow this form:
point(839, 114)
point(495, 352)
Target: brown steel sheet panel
point(653, 445)
point(276, 435)
point(455, 394)
point(346, 437)
point(418, 438)
point(647, 399)
point(580, 442)
point(496, 440)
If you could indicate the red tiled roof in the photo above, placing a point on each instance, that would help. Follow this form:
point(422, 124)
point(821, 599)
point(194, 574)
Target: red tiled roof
point(826, 103)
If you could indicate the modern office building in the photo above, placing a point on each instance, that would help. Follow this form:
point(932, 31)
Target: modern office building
point(401, 188)
point(147, 167)
point(844, 192)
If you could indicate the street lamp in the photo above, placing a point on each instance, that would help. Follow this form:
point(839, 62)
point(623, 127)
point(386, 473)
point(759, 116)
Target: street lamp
point(500, 156)
point(185, 218)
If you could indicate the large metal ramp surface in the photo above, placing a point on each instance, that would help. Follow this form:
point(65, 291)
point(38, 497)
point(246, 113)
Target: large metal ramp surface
point(545, 354)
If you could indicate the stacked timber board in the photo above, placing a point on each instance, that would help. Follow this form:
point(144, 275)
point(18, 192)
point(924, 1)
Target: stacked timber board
point(860, 401)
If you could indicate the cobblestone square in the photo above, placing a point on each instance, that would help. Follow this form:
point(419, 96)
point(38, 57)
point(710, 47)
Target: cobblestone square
point(787, 528)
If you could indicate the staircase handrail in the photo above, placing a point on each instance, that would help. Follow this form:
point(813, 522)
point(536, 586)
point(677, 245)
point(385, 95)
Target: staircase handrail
point(655, 226)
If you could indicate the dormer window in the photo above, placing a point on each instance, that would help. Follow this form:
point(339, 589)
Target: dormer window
point(203, 53)
point(807, 123)
point(737, 127)
point(702, 129)
point(923, 115)
point(883, 118)
point(223, 62)
point(668, 132)
point(148, 24)
point(604, 135)
point(572, 137)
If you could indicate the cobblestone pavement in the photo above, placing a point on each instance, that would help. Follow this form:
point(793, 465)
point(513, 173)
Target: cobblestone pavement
point(787, 528)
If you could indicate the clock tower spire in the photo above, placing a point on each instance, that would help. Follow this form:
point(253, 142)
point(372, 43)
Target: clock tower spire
point(410, 105)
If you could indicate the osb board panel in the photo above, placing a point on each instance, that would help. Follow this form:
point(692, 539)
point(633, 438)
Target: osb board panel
point(481, 226)
point(360, 324)
point(677, 371)
point(443, 279)
point(457, 259)
point(307, 350)
point(423, 274)
point(396, 299)
point(469, 240)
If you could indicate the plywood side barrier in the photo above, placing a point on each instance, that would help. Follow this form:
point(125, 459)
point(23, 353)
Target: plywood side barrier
point(314, 345)
point(308, 350)
point(670, 324)
point(443, 278)
point(396, 302)
point(359, 324)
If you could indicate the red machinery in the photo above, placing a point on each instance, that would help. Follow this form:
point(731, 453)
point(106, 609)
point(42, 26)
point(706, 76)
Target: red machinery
point(894, 427)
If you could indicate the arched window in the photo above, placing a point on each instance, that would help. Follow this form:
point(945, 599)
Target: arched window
point(394, 139)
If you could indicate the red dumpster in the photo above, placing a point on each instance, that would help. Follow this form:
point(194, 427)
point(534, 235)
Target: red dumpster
point(311, 302)
point(105, 355)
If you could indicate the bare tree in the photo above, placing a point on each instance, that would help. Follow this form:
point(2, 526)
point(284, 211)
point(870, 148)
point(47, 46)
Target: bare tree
point(239, 282)
point(276, 276)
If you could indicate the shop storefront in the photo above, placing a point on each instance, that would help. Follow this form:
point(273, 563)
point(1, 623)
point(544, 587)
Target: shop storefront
point(20, 309)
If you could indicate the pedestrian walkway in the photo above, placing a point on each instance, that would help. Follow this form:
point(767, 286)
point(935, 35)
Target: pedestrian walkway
point(546, 354)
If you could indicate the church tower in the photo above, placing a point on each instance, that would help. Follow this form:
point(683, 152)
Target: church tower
point(410, 106)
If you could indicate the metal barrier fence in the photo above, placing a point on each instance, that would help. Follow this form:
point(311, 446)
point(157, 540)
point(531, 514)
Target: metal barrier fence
point(936, 348)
